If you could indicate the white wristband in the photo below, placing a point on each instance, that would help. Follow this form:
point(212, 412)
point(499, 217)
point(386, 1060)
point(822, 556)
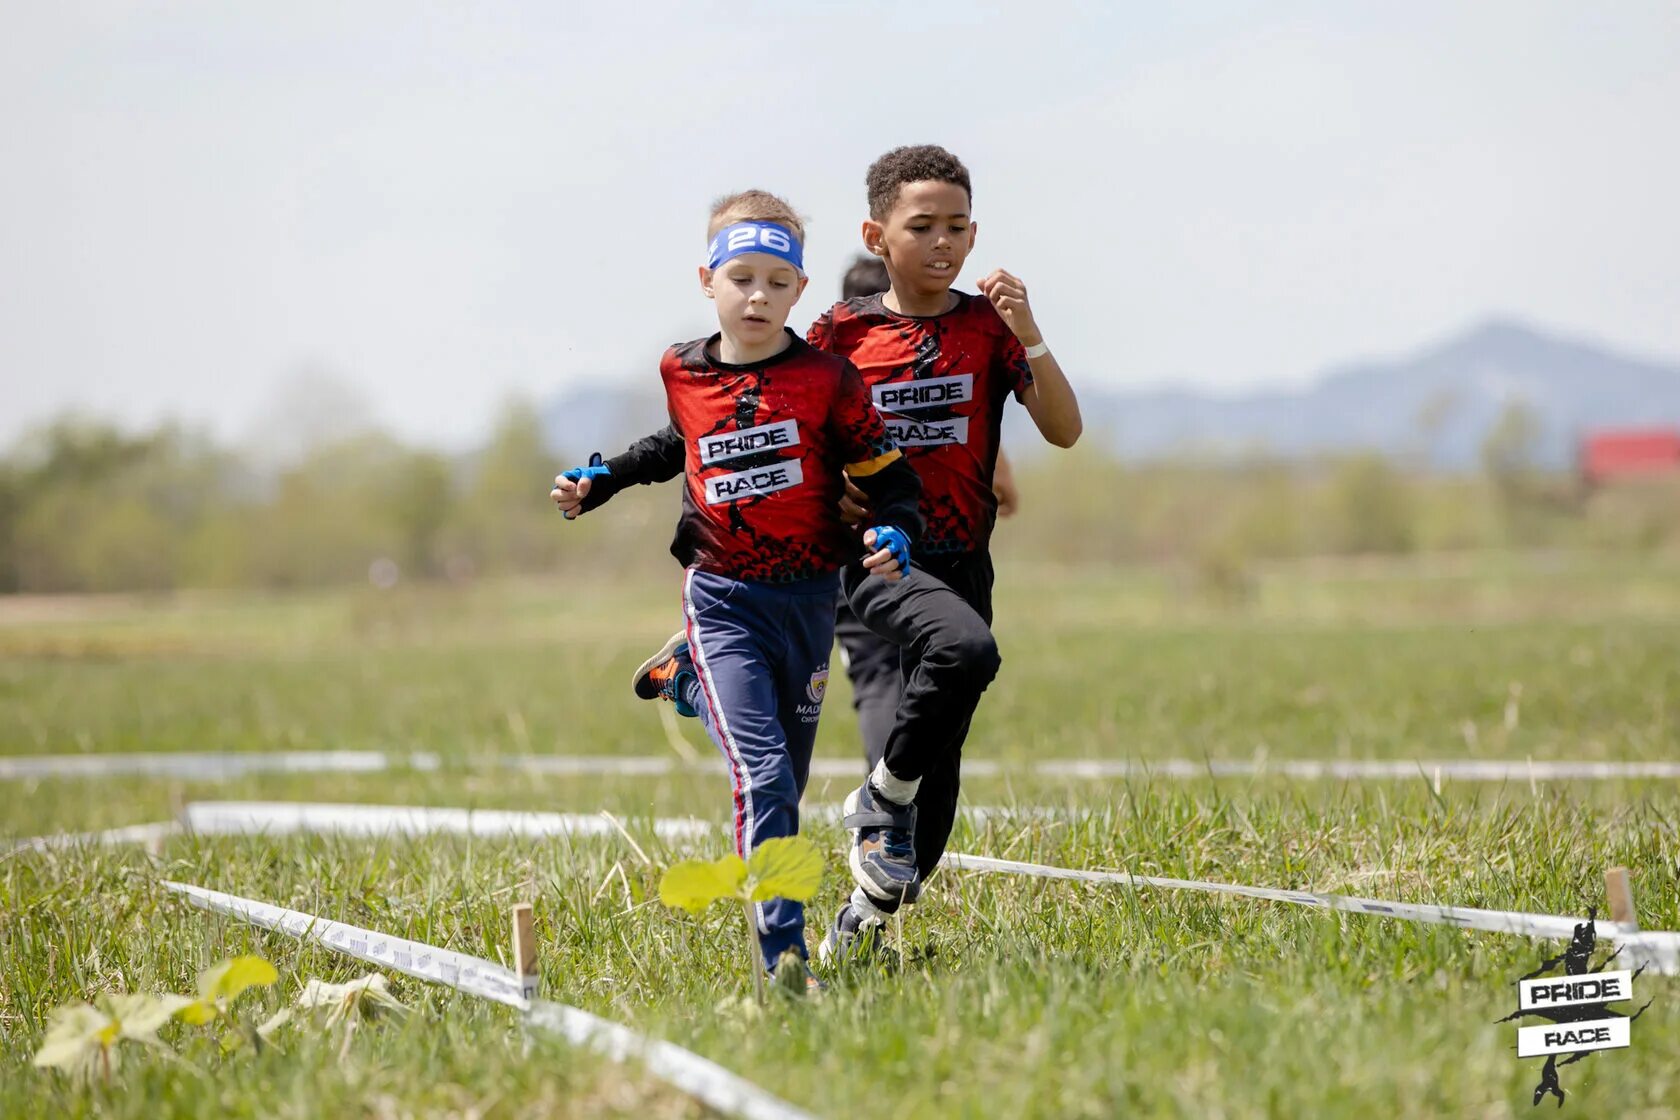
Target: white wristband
point(1038, 351)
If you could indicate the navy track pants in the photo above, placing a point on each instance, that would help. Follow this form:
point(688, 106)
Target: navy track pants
point(761, 654)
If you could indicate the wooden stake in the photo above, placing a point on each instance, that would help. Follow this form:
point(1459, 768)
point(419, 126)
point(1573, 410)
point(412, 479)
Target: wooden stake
point(1616, 885)
point(525, 950)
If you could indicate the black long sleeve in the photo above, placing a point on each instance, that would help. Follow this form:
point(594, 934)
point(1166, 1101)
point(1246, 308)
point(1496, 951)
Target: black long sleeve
point(654, 458)
point(895, 495)
point(894, 492)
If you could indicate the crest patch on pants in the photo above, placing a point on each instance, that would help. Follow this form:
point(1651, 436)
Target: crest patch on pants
point(818, 686)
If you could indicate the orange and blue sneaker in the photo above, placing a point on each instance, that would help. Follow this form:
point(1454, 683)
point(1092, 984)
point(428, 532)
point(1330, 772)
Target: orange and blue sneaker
point(792, 974)
point(669, 675)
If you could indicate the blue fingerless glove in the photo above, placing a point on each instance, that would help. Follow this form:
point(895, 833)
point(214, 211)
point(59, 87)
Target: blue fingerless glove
point(597, 468)
point(595, 471)
point(893, 540)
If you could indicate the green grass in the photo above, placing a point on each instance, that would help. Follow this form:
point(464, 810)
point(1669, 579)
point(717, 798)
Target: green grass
point(1004, 997)
point(1096, 664)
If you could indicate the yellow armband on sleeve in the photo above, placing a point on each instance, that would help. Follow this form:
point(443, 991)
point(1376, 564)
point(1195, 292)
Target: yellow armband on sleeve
point(875, 465)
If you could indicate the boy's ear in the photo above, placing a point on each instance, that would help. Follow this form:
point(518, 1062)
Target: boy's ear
point(973, 228)
point(874, 237)
point(800, 289)
point(706, 281)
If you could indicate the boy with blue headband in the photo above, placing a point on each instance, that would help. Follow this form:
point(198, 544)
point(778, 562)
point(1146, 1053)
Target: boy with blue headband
point(766, 424)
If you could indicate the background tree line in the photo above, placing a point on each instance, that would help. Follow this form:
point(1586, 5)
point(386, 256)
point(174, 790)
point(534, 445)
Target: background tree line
point(85, 506)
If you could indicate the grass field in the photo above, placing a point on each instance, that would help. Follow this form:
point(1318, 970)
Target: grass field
point(1004, 997)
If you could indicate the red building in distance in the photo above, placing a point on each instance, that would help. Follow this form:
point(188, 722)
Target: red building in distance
point(1612, 454)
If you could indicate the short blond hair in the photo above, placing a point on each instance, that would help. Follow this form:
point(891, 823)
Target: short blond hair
point(754, 206)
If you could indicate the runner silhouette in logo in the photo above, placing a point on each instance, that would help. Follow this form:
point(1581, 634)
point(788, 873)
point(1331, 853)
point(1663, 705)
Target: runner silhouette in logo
point(1579, 954)
point(1575, 960)
point(1549, 1079)
point(747, 399)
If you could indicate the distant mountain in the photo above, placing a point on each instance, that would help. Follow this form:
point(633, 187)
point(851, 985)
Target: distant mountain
point(579, 421)
point(1435, 406)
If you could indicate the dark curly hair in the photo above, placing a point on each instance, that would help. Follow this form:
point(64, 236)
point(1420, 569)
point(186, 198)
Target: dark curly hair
point(917, 163)
point(867, 276)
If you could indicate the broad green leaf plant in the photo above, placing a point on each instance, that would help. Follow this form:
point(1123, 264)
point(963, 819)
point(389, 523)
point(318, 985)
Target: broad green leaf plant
point(218, 987)
point(788, 867)
point(83, 1038)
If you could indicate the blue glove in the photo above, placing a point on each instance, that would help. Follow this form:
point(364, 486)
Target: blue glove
point(894, 541)
point(597, 468)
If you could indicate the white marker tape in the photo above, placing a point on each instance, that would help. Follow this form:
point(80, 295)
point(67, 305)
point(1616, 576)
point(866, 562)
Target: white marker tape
point(206, 766)
point(279, 818)
point(705, 1080)
point(1308, 769)
point(129, 834)
point(1463, 770)
point(1660, 950)
point(654, 765)
point(273, 818)
point(979, 816)
point(221, 766)
point(441, 966)
point(699, 1077)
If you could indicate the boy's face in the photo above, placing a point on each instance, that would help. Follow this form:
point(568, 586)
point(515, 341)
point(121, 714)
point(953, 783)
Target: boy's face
point(925, 237)
point(754, 293)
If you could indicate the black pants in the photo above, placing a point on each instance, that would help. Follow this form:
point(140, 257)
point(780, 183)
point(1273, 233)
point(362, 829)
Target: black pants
point(919, 652)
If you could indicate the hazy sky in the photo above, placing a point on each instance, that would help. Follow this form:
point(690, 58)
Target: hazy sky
point(447, 205)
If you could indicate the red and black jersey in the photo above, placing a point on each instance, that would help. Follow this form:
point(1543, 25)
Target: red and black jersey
point(763, 450)
point(939, 382)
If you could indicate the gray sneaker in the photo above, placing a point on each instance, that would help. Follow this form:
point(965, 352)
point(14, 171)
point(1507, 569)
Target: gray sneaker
point(849, 938)
point(883, 850)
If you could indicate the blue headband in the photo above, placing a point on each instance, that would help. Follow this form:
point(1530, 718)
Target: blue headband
point(755, 237)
